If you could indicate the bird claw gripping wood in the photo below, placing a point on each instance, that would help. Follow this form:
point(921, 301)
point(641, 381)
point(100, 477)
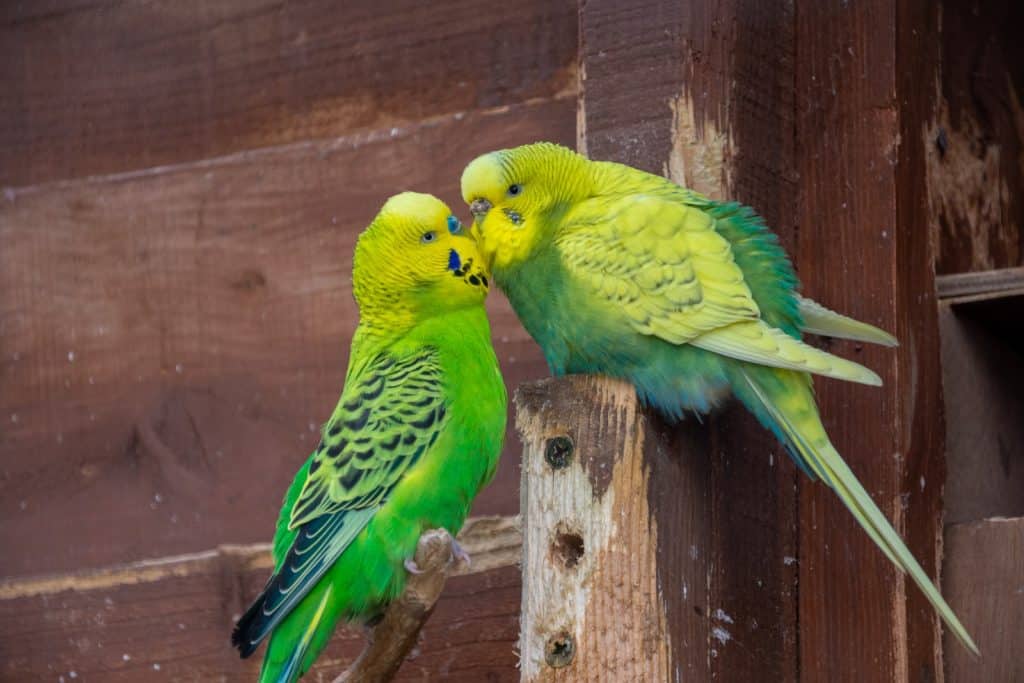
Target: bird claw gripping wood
point(459, 557)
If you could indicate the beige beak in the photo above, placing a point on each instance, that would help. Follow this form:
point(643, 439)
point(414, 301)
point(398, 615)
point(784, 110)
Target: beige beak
point(479, 207)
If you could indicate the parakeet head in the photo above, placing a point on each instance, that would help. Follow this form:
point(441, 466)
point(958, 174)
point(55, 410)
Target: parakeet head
point(514, 194)
point(414, 261)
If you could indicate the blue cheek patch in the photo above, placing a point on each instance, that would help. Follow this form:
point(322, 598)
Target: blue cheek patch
point(454, 226)
point(454, 262)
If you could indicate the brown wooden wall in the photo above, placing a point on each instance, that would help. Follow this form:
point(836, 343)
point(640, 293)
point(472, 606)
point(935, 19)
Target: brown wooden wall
point(185, 182)
point(182, 185)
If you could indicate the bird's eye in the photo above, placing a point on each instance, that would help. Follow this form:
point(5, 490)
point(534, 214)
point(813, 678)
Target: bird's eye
point(454, 226)
point(428, 237)
point(515, 189)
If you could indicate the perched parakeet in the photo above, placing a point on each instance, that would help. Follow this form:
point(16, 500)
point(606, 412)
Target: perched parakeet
point(416, 434)
point(623, 273)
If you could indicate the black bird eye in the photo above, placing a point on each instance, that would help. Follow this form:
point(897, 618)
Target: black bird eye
point(428, 237)
point(513, 190)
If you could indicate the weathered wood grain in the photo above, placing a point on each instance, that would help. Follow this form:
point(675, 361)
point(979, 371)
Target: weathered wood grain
point(612, 575)
point(170, 619)
point(703, 93)
point(92, 87)
point(864, 249)
point(975, 143)
point(983, 581)
point(171, 340)
point(980, 285)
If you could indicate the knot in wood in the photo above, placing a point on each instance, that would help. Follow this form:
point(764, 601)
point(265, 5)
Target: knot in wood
point(558, 451)
point(559, 650)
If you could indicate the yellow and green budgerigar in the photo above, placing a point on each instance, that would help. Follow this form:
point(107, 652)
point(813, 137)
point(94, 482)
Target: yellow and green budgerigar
point(619, 272)
point(415, 435)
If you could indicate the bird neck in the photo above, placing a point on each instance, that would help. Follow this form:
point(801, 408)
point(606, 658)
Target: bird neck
point(377, 333)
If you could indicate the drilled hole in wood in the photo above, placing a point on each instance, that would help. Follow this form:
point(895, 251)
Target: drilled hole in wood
point(558, 451)
point(567, 546)
point(559, 650)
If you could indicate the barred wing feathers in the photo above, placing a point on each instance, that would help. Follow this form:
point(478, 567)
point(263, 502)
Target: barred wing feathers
point(388, 417)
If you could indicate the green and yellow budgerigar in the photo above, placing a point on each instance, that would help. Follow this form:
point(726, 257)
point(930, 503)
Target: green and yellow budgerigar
point(416, 434)
point(623, 273)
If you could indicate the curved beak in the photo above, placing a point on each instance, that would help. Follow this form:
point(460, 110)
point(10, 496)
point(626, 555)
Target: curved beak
point(480, 207)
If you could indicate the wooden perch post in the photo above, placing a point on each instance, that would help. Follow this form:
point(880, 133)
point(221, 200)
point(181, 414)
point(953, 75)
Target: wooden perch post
point(610, 592)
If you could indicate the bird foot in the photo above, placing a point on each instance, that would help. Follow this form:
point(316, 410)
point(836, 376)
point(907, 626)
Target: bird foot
point(460, 554)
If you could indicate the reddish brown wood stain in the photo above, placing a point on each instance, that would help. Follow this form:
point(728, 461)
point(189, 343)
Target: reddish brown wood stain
point(864, 249)
point(172, 336)
point(172, 333)
point(976, 142)
point(125, 317)
point(175, 626)
point(90, 88)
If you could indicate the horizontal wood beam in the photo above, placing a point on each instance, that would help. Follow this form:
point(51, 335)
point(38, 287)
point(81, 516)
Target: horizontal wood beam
point(492, 541)
point(981, 285)
point(171, 618)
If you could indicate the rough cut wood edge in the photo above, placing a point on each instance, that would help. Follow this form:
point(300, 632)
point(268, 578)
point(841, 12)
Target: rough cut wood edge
point(491, 541)
point(984, 583)
point(989, 284)
point(394, 637)
point(598, 598)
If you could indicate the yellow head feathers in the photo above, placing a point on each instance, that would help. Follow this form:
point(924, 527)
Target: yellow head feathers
point(514, 194)
point(413, 261)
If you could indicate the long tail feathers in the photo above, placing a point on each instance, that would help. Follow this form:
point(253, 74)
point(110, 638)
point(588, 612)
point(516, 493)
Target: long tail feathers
point(292, 667)
point(820, 320)
point(791, 412)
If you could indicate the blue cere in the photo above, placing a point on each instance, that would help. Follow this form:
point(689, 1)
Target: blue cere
point(453, 260)
point(454, 226)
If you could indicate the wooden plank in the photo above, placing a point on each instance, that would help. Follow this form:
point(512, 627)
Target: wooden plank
point(94, 88)
point(982, 376)
point(172, 339)
point(983, 581)
point(976, 139)
point(606, 551)
point(986, 284)
point(917, 391)
point(864, 249)
point(170, 619)
point(703, 92)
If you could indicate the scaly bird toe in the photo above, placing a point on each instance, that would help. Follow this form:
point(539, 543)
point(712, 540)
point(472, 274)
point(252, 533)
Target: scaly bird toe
point(460, 554)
